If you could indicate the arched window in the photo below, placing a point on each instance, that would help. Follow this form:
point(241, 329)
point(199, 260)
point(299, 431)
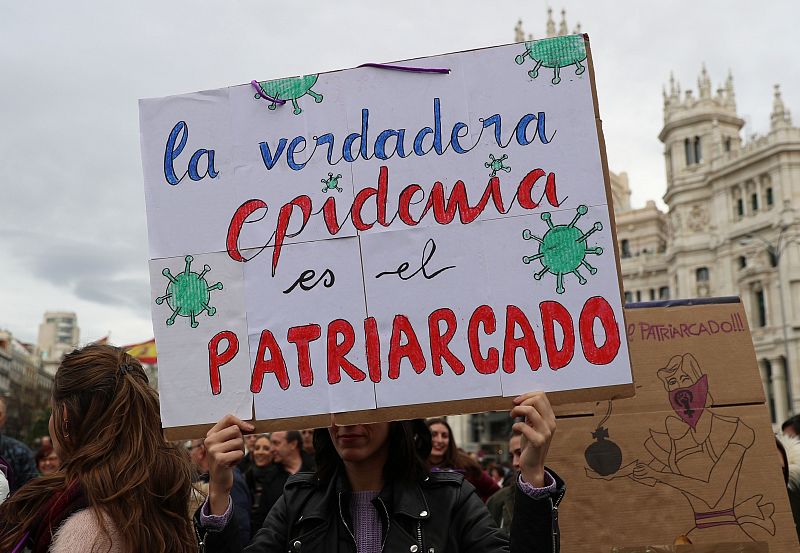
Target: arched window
point(689, 151)
point(698, 153)
point(701, 274)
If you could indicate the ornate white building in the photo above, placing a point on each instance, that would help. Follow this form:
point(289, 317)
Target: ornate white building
point(731, 226)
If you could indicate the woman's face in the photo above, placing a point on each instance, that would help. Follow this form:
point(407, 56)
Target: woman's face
point(360, 442)
point(49, 464)
point(440, 441)
point(262, 456)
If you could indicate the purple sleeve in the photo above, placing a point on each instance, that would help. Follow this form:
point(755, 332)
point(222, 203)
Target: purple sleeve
point(538, 493)
point(215, 523)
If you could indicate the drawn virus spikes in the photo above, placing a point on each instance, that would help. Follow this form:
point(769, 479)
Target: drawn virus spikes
point(188, 293)
point(331, 183)
point(555, 53)
point(563, 249)
point(497, 165)
point(291, 88)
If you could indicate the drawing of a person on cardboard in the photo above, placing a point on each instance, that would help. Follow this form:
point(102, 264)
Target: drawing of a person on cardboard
point(700, 454)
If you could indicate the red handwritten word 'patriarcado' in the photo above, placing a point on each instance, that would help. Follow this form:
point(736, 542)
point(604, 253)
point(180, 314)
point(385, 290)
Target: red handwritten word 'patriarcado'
point(340, 337)
point(444, 206)
point(675, 331)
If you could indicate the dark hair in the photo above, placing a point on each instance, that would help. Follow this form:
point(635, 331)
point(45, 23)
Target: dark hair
point(106, 420)
point(296, 437)
point(407, 440)
point(453, 457)
point(794, 422)
point(785, 467)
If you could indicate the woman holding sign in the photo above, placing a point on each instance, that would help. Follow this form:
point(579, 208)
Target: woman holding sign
point(372, 492)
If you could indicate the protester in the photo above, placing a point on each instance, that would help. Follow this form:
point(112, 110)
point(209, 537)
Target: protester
point(791, 426)
point(308, 441)
point(372, 492)
point(497, 472)
point(240, 494)
point(257, 478)
point(445, 455)
point(249, 443)
point(287, 459)
point(308, 449)
point(47, 460)
point(4, 488)
point(501, 504)
point(18, 456)
point(789, 448)
point(122, 487)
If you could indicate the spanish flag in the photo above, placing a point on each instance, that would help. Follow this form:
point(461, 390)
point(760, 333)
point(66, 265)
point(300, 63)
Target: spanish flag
point(145, 352)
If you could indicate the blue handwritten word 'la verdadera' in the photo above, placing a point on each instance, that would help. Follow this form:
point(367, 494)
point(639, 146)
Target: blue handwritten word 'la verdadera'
point(391, 142)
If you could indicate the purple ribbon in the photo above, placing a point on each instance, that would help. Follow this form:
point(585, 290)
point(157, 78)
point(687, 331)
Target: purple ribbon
point(404, 68)
point(263, 94)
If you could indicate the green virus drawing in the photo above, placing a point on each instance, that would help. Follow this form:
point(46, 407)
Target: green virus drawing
point(331, 183)
point(291, 88)
point(497, 165)
point(188, 293)
point(563, 249)
point(555, 53)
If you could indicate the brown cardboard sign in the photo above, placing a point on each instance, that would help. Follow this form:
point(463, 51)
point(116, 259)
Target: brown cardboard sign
point(691, 454)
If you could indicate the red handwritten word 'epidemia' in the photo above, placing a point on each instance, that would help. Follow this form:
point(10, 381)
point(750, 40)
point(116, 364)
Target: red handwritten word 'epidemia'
point(445, 207)
point(676, 331)
point(404, 343)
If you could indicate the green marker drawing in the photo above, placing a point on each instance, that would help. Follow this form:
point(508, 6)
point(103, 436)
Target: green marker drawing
point(188, 293)
point(497, 165)
point(331, 183)
point(563, 249)
point(291, 88)
point(555, 53)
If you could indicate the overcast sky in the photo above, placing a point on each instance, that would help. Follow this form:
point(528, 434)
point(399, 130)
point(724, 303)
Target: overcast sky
point(72, 220)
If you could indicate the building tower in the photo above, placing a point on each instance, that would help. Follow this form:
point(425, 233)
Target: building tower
point(58, 334)
point(699, 130)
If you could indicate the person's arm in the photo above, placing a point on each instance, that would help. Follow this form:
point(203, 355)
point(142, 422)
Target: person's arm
point(215, 524)
point(534, 526)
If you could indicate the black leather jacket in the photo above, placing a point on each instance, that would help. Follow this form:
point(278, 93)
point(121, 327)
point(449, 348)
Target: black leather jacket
point(441, 514)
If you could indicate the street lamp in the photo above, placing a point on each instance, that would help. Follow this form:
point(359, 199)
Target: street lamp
point(775, 252)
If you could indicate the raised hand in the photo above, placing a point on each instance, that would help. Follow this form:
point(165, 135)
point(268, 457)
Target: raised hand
point(225, 448)
point(537, 429)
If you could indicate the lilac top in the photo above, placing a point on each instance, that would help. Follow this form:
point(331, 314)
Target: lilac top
point(366, 520)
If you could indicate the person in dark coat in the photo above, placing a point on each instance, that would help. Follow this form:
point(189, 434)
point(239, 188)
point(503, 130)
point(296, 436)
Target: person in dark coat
point(501, 504)
point(18, 456)
point(372, 492)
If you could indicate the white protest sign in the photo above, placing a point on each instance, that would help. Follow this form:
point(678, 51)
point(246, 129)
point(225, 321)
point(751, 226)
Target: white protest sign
point(377, 237)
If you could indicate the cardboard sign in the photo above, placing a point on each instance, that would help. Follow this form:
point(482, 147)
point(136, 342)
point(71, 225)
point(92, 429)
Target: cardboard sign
point(692, 454)
point(390, 236)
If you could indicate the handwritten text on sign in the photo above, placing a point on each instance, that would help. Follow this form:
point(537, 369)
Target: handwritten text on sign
point(382, 237)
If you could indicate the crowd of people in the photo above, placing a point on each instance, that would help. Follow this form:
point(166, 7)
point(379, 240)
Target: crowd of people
point(105, 479)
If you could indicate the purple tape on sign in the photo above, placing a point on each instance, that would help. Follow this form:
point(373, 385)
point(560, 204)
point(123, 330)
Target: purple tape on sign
point(265, 95)
point(404, 68)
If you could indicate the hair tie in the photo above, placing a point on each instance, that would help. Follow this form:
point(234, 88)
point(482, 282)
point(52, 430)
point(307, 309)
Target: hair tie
point(124, 369)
